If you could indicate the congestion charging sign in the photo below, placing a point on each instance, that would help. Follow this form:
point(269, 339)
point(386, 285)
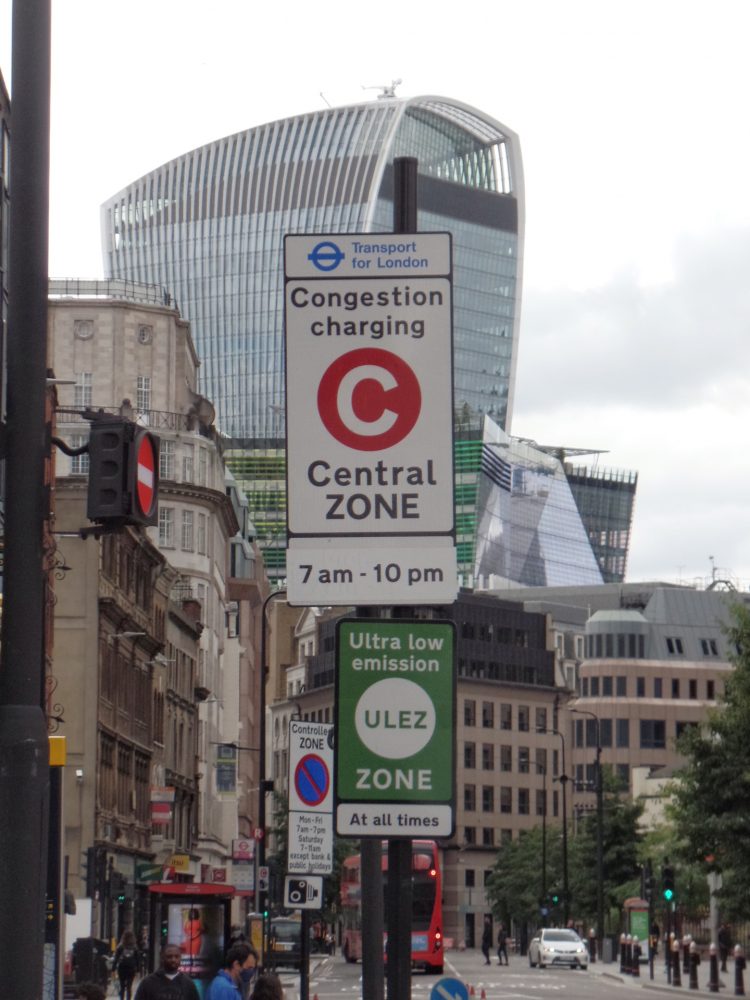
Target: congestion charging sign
point(369, 396)
point(395, 725)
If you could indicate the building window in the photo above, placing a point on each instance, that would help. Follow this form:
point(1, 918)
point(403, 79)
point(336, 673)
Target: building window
point(506, 758)
point(470, 712)
point(709, 647)
point(506, 836)
point(202, 467)
point(657, 687)
point(166, 458)
point(187, 531)
point(488, 798)
point(710, 691)
point(79, 464)
point(166, 527)
point(470, 798)
point(606, 687)
point(622, 772)
point(653, 734)
point(488, 837)
point(488, 715)
point(541, 760)
point(470, 835)
point(621, 687)
point(506, 716)
point(692, 688)
point(541, 796)
point(143, 393)
point(675, 687)
point(488, 757)
point(640, 687)
point(540, 716)
point(188, 454)
point(82, 393)
point(623, 732)
point(470, 755)
point(469, 878)
point(506, 800)
point(202, 535)
point(523, 802)
point(523, 760)
point(523, 718)
point(584, 687)
point(674, 646)
point(605, 732)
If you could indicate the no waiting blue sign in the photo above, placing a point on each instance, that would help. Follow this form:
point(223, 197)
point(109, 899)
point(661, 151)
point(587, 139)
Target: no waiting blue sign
point(312, 780)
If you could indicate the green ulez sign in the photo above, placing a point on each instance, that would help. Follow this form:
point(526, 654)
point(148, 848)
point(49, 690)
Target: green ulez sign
point(395, 728)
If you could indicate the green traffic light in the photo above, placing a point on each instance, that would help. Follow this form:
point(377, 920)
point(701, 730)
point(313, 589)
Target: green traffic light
point(668, 893)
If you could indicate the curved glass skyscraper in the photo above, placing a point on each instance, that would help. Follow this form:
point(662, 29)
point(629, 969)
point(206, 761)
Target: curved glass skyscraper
point(209, 226)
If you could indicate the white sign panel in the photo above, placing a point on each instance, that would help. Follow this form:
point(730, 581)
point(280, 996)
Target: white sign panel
point(310, 847)
point(369, 388)
point(310, 840)
point(303, 893)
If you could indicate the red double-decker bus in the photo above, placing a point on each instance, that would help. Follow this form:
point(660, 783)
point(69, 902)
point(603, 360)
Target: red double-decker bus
point(427, 906)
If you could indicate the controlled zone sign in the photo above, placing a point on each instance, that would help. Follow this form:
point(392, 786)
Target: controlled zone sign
point(395, 720)
point(310, 840)
point(369, 390)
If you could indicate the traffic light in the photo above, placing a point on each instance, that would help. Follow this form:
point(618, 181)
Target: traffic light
point(118, 885)
point(667, 883)
point(555, 897)
point(123, 474)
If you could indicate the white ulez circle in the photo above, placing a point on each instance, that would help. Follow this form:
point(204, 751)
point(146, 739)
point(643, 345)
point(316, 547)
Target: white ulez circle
point(395, 718)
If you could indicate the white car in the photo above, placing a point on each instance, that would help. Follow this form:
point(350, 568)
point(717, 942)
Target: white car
point(558, 946)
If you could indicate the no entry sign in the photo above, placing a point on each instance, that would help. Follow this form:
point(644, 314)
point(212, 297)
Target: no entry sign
point(369, 388)
point(146, 474)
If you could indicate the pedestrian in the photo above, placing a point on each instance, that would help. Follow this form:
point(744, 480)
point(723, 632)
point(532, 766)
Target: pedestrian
point(725, 943)
point(237, 972)
point(487, 940)
point(126, 963)
point(168, 983)
point(268, 987)
point(502, 945)
point(90, 991)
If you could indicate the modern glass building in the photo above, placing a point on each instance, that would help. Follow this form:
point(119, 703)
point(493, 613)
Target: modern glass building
point(209, 226)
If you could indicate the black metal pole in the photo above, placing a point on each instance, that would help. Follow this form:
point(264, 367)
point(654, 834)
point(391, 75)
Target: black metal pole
point(399, 849)
point(304, 964)
point(371, 871)
point(24, 750)
point(260, 851)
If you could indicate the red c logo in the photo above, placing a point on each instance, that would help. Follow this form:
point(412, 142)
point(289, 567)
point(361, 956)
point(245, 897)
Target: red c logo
point(369, 399)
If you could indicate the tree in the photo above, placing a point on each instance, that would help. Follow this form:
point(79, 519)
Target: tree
point(621, 842)
point(711, 798)
point(514, 889)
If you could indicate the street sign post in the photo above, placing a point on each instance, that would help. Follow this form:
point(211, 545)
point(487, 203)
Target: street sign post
point(310, 836)
point(369, 388)
point(395, 720)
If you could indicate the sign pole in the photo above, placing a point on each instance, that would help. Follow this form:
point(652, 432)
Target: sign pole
point(399, 849)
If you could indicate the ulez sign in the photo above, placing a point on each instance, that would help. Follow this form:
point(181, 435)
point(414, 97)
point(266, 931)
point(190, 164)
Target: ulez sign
point(395, 720)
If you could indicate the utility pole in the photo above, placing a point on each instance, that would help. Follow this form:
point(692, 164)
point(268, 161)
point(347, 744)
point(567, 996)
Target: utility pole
point(24, 745)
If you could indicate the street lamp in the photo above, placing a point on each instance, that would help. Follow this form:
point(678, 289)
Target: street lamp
point(599, 830)
point(543, 769)
point(563, 779)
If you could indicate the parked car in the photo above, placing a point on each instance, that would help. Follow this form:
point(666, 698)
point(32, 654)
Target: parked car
point(558, 946)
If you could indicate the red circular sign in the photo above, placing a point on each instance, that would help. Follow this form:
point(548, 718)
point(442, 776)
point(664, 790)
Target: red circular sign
point(369, 399)
point(146, 475)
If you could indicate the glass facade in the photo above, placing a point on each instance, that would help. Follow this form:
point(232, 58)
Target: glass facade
point(209, 226)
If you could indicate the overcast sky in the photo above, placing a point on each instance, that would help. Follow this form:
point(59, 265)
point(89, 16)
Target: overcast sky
point(634, 129)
